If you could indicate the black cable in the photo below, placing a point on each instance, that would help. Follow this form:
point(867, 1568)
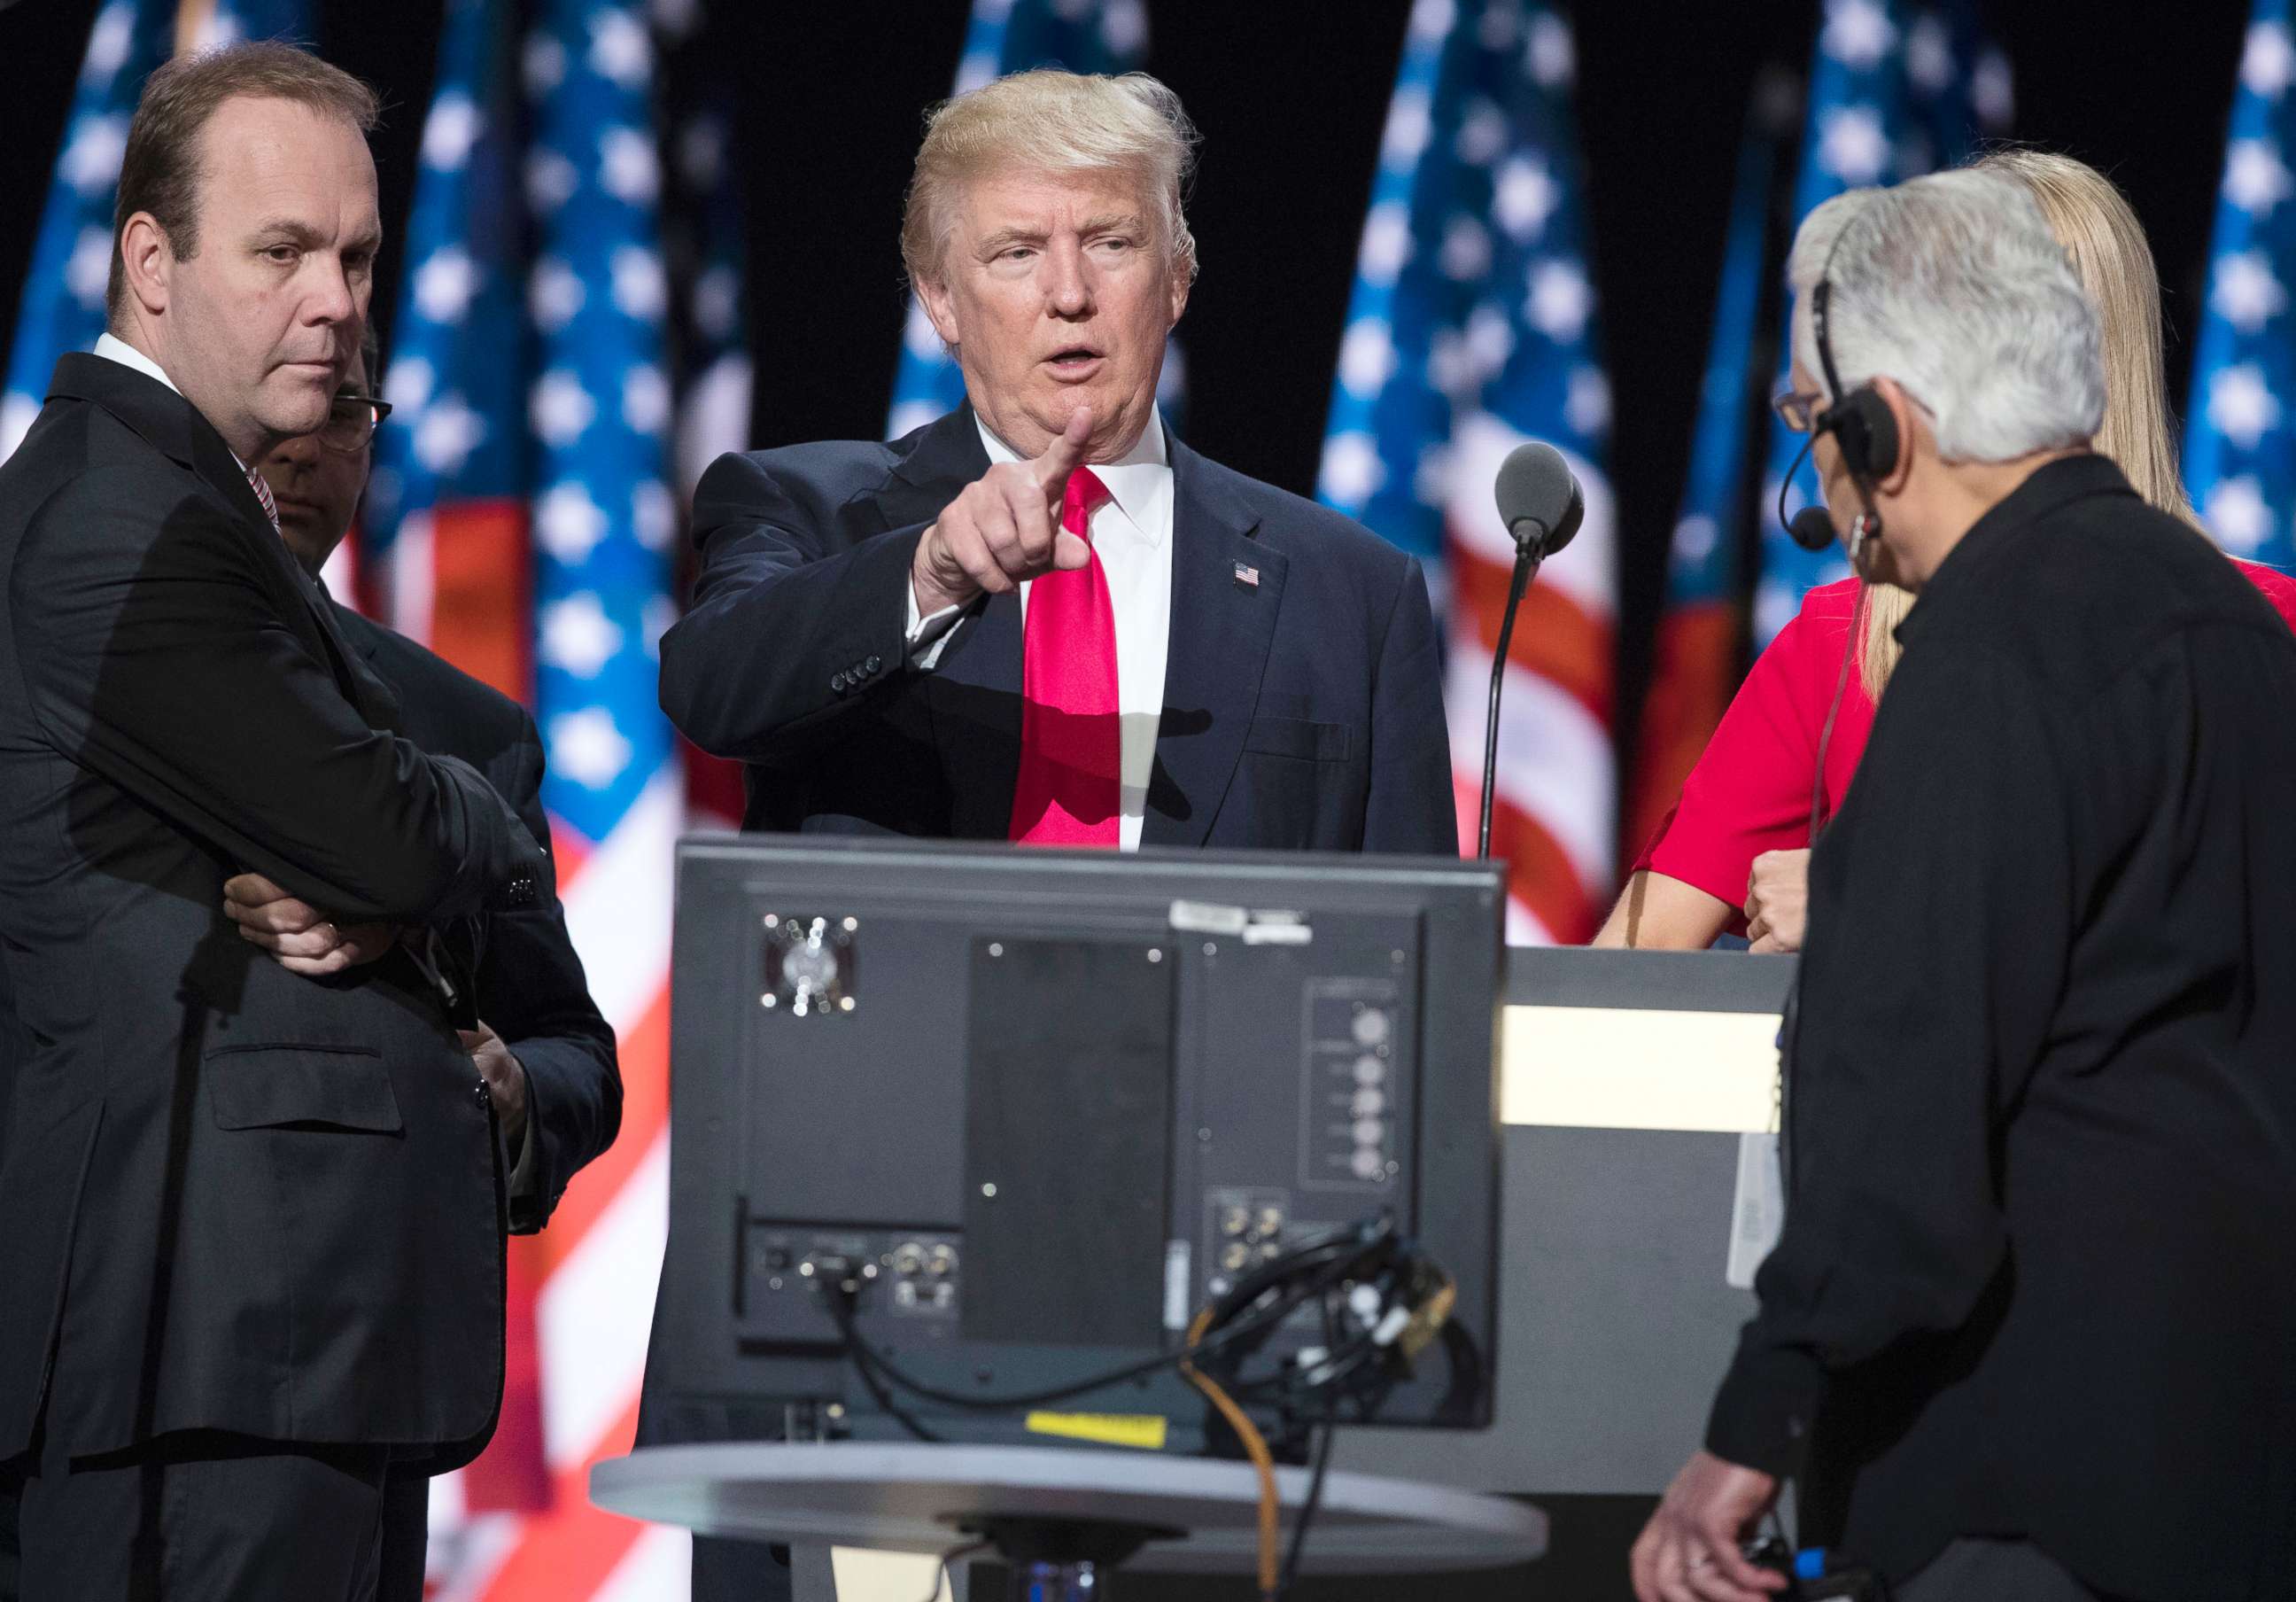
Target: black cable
point(1307, 1507)
point(941, 1573)
point(1525, 565)
point(884, 1397)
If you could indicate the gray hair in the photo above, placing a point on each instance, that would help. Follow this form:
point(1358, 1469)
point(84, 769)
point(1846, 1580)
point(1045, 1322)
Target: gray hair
point(1952, 285)
point(1053, 122)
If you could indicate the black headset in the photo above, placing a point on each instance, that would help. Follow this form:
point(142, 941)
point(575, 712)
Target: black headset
point(1863, 431)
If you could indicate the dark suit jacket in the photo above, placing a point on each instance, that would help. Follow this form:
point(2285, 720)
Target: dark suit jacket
point(233, 1197)
point(1303, 702)
point(526, 975)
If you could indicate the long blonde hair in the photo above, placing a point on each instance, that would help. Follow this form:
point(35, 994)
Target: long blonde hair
point(2093, 221)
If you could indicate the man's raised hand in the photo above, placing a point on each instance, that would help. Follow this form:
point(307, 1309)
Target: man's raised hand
point(1003, 529)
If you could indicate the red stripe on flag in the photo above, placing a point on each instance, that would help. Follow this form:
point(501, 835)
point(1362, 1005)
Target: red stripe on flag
point(481, 610)
point(1540, 874)
point(1692, 676)
point(643, 1051)
point(571, 1551)
point(512, 1475)
point(1555, 636)
point(569, 848)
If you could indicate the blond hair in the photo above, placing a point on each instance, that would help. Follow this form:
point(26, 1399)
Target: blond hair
point(2092, 219)
point(1050, 121)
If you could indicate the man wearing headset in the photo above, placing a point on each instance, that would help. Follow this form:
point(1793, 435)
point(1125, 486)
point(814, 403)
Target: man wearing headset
point(2026, 1331)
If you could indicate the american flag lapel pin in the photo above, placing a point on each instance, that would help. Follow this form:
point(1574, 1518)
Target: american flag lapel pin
point(1246, 577)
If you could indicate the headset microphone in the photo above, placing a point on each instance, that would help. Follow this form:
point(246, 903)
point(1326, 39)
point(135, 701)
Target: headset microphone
point(1811, 528)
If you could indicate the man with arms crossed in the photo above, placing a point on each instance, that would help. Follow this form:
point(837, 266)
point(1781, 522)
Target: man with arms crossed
point(254, 1243)
point(2026, 1337)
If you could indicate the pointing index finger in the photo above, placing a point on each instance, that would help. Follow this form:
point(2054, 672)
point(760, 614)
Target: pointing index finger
point(1064, 454)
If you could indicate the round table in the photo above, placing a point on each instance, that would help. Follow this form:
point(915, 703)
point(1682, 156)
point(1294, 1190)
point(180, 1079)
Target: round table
point(1077, 1509)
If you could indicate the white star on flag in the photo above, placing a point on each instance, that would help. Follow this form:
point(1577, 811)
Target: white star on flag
point(653, 515)
point(918, 333)
point(1451, 366)
point(1588, 406)
point(1366, 356)
point(569, 522)
point(2238, 515)
point(1694, 539)
point(1352, 469)
point(2245, 293)
point(555, 294)
point(578, 635)
point(1482, 135)
point(1560, 300)
point(1929, 54)
point(91, 161)
point(1775, 605)
point(645, 399)
point(1123, 27)
point(544, 65)
point(619, 51)
point(2256, 180)
point(1490, 340)
point(586, 747)
point(1499, 28)
point(1386, 241)
point(410, 383)
point(908, 416)
point(452, 128)
point(1432, 19)
point(1553, 55)
point(1852, 145)
point(2241, 405)
point(1523, 197)
point(1858, 33)
point(551, 180)
point(627, 167)
point(89, 269)
point(446, 435)
point(639, 291)
point(2268, 61)
point(1407, 128)
point(17, 411)
point(975, 70)
point(561, 409)
point(109, 43)
point(1431, 476)
point(1466, 254)
point(445, 283)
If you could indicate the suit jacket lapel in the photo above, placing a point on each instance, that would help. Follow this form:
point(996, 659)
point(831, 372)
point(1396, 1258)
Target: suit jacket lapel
point(1227, 588)
point(974, 691)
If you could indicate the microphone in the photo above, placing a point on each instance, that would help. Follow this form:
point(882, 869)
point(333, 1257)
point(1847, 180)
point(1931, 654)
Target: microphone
point(1539, 499)
point(1811, 528)
point(1540, 502)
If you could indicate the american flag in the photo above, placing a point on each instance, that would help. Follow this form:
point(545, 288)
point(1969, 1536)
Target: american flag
point(1471, 329)
point(61, 307)
point(523, 523)
point(1694, 657)
point(2240, 444)
point(1895, 91)
point(205, 24)
point(1005, 36)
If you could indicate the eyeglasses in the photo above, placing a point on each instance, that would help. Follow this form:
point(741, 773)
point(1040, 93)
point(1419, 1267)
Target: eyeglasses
point(1798, 409)
point(351, 422)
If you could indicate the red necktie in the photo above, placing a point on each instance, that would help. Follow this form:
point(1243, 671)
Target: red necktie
point(1069, 788)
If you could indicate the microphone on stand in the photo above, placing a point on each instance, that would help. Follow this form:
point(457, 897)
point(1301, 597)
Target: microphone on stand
point(1540, 502)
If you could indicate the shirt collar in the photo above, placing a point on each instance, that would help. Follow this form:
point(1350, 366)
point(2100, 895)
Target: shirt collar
point(1135, 481)
point(119, 351)
point(2046, 489)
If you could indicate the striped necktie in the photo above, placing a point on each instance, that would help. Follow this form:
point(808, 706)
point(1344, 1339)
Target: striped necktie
point(263, 493)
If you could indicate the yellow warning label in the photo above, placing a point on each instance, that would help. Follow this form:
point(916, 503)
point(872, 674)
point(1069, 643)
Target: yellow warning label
point(1143, 1430)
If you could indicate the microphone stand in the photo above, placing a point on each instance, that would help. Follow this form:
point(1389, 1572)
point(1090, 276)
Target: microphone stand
point(1528, 555)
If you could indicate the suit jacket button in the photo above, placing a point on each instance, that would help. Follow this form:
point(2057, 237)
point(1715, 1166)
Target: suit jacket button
point(839, 683)
point(871, 666)
point(485, 1096)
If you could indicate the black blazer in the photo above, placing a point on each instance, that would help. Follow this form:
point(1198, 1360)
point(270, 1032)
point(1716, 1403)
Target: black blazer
point(527, 977)
point(233, 1197)
point(1303, 703)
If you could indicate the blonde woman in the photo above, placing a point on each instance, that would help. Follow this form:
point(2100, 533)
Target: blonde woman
point(1734, 855)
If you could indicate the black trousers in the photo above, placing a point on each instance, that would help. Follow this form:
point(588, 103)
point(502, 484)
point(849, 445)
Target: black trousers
point(206, 1516)
point(1976, 1570)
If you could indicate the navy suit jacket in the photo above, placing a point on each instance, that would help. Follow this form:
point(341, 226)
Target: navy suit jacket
point(1303, 703)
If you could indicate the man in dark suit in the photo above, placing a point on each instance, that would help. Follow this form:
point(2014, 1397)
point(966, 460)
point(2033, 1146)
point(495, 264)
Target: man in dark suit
point(253, 1257)
point(1042, 618)
point(882, 632)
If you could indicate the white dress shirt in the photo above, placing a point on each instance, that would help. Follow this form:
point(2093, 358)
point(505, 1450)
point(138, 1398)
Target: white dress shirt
point(1132, 532)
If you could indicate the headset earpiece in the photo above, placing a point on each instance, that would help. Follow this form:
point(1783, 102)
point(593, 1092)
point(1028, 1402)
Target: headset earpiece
point(1865, 432)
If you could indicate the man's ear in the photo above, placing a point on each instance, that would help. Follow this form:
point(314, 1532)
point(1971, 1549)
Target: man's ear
point(146, 262)
point(1906, 417)
point(941, 307)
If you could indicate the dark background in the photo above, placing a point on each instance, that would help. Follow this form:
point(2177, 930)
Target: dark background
point(1291, 95)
